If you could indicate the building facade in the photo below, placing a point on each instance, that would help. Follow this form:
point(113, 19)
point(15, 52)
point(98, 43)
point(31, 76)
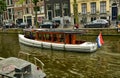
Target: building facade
point(57, 10)
point(61, 10)
point(23, 11)
point(89, 10)
point(9, 13)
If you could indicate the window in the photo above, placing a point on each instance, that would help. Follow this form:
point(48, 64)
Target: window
point(27, 1)
point(93, 7)
point(57, 9)
point(9, 2)
point(10, 13)
point(93, 18)
point(84, 19)
point(18, 13)
point(103, 18)
point(42, 9)
point(49, 7)
point(65, 9)
point(84, 8)
point(27, 10)
point(37, 8)
point(103, 7)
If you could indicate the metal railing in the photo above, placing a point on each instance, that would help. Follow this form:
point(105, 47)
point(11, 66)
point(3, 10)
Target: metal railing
point(36, 60)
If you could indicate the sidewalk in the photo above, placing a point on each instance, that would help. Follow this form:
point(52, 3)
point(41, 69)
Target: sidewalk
point(70, 27)
point(65, 27)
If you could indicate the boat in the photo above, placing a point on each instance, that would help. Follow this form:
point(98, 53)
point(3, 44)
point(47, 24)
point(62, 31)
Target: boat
point(13, 67)
point(56, 39)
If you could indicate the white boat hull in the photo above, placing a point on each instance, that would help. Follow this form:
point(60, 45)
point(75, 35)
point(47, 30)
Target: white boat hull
point(84, 47)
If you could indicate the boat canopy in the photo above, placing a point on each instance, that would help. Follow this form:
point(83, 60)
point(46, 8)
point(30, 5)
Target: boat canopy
point(57, 30)
point(54, 35)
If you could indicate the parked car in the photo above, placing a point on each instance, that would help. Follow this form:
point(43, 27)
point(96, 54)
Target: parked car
point(23, 25)
point(49, 24)
point(99, 23)
point(9, 25)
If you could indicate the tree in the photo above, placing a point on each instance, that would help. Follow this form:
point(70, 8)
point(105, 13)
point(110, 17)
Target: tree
point(35, 3)
point(2, 8)
point(20, 1)
point(75, 9)
point(118, 17)
point(35, 9)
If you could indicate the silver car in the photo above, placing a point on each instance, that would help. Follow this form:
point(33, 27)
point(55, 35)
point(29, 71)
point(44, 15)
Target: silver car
point(23, 25)
point(99, 23)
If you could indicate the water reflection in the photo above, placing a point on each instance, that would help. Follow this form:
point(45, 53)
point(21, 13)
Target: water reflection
point(104, 63)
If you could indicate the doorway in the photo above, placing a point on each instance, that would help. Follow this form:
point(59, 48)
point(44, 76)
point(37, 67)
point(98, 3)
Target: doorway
point(114, 11)
point(49, 14)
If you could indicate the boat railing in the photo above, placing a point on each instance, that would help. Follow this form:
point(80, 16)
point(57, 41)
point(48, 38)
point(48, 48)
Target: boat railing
point(1, 58)
point(42, 64)
point(24, 53)
point(36, 60)
point(5, 76)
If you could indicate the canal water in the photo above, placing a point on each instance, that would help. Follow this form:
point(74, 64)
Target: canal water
point(104, 63)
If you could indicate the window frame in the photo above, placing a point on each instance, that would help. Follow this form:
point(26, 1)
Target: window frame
point(84, 8)
point(93, 7)
point(103, 7)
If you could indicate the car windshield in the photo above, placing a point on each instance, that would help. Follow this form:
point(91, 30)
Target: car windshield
point(100, 21)
point(23, 24)
point(47, 22)
point(8, 24)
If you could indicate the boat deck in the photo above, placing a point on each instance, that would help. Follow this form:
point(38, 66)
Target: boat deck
point(12, 66)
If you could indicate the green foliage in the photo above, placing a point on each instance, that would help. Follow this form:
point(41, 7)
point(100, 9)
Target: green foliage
point(35, 1)
point(21, 1)
point(2, 6)
point(118, 17)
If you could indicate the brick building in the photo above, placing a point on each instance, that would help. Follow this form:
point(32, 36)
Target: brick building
point(9, 13)
point(23, 12)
